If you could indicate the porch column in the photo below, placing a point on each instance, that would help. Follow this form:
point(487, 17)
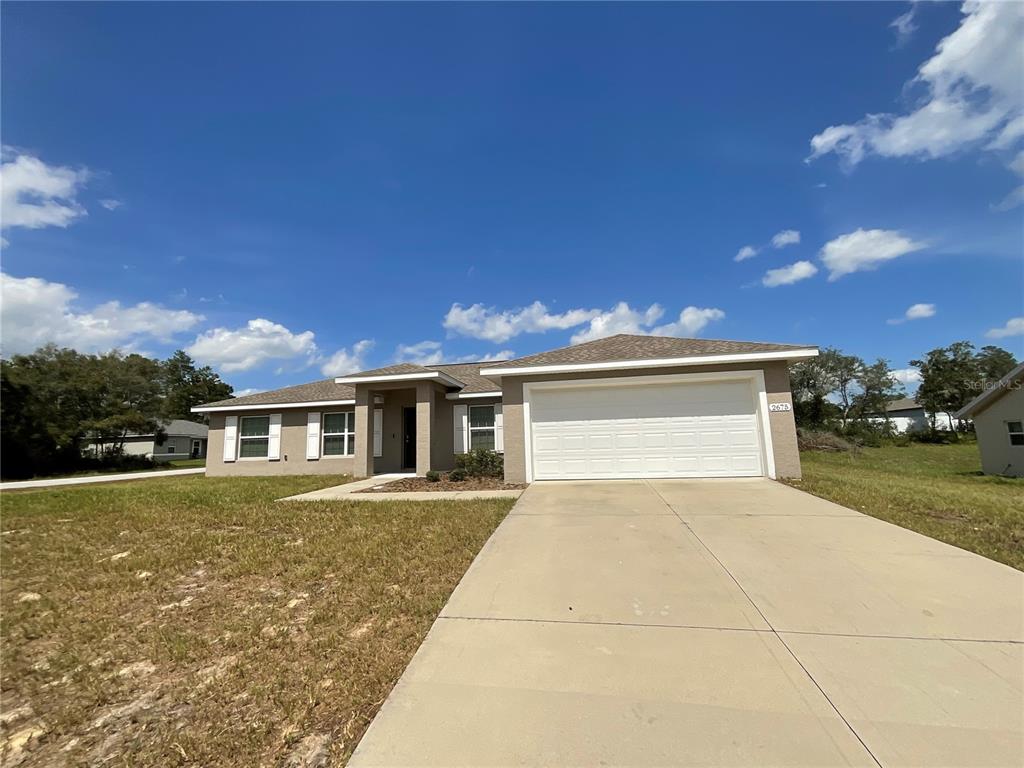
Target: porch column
point(362, 465)
point(424, 421)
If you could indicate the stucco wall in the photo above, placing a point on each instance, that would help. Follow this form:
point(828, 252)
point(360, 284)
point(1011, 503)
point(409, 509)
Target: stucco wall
point(776, 377)
point(998, 457)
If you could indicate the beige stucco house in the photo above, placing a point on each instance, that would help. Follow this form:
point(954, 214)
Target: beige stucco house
point(998, 415)
point(620, 407)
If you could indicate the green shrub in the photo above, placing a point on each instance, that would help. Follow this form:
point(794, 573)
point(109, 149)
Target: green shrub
point(457, 475)
point(481, 463)
point(433, 477)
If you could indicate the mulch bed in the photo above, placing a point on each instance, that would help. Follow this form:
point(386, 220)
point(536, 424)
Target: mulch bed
point(410, 484)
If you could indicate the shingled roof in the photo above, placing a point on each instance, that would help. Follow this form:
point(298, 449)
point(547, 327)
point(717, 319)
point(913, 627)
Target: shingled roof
point(623, 347)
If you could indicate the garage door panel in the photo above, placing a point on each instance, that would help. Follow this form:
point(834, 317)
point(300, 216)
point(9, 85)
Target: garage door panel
point(678, 430)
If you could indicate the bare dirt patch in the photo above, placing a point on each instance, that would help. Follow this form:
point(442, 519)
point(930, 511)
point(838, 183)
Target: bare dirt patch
point(420, 484)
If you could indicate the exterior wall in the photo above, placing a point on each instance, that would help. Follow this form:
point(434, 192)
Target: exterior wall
point(998, 457)
point(906, 421)
point(144, 446)
point(776, 379)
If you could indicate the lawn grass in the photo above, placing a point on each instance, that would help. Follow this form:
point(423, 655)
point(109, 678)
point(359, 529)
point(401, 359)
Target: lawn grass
point(235, 629)
point(936, 490)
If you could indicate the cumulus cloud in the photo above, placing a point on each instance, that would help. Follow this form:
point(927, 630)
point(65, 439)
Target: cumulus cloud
point(1013, 327)
point(347, 361)
point(972, 95)
point(793, 273)
point(257, 342)
point(34, 195)
point(432, 353)
point(744, 253)
point(907, 376)
point(624, 319)
point(786, 237)
point(865, 249)
point(248, 391)
point(914, 312)
point(111, 204)
point(490, 324)
point(34, 312)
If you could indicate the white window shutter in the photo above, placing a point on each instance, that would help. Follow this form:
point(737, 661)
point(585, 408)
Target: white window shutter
point(499, 430)
point(313, 435)
point(230, 437)
point(378, 432)
point(460, 423)
point(274, 443)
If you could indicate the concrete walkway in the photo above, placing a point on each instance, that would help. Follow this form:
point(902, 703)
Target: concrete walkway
point(88, 479)
point(730, 623)
point(350, 492)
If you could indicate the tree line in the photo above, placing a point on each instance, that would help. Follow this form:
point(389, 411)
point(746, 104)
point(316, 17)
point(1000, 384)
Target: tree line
point(842, 392)
point(54, 402)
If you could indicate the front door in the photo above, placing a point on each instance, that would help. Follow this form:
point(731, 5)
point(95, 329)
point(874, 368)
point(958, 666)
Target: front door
point(409, 438)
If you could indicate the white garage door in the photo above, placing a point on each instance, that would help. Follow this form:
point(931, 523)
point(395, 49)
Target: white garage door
point(707, 429)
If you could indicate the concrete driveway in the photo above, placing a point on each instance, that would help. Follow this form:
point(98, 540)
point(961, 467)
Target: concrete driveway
point(728, 623)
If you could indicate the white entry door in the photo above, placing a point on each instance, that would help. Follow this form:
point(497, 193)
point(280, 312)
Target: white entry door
point(703, 429)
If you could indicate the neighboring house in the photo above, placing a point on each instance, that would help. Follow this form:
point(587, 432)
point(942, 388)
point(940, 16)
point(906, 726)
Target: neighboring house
point(620, 407)
point(185, 440)
point(998, 415)
point(905, 415)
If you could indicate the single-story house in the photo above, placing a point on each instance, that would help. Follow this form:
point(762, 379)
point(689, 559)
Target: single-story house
point(619, 407)
point(998, 415)
point(905, 415)
point(185, 440)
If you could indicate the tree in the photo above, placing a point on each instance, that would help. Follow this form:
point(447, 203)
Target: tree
point(994, 363)
point(843, 371)
point(878, 387)
point(130, 400)
point(811, 384)
point(949, 377)
point(184, 386)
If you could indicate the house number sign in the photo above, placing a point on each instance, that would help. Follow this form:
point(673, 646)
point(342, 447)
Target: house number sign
point(775, 407)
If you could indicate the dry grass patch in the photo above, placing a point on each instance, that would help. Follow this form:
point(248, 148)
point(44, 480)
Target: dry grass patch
point(196, 621)
point(936, 490)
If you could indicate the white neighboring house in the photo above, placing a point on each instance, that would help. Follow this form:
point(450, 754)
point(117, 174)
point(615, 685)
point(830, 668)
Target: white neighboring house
point(906, 415)
point(185, 440)
point(998, 415)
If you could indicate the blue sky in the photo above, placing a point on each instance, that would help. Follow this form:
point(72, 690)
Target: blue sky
point(290, 191)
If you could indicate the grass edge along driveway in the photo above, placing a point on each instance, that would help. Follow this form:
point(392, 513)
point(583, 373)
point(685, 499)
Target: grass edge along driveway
point(198, 621)
point(936, 490)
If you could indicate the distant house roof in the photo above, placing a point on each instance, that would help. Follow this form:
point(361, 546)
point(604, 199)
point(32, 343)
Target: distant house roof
point(177, 428)
point(903, 404)
point(990, 395)
point(632, 348)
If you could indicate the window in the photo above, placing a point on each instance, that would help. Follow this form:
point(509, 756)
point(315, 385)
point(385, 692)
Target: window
point(171, 449)
point(481, 427)
point(1016, 430)
point(254, 437)
point(339, 434)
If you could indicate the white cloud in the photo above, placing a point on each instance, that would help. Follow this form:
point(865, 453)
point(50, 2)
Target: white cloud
point(345, 361)
point(864, 249)
point(36, 312)
point(480, 322)
point(786, 237)
point(972, 95)
point(431, 353)
point(904, 26)
point(247, 391)
point(792, 273)
point(624, 319)
point(36, 195)
point(259, 341)
point(110, 204)
point(920, 311)
point(1014, 327)
point(422, 353)
point(907, 376)
point(744, 253)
